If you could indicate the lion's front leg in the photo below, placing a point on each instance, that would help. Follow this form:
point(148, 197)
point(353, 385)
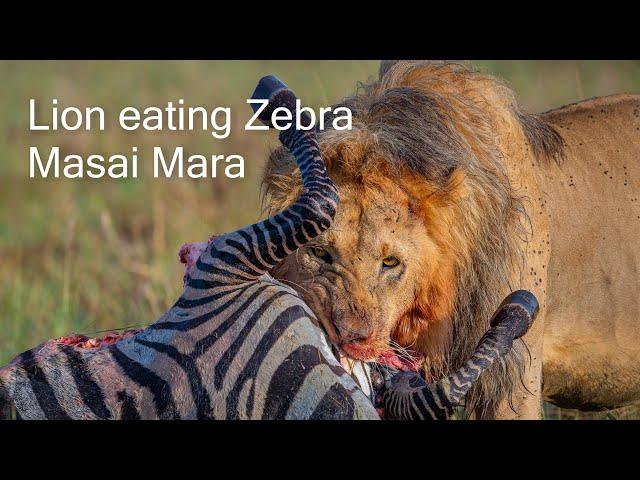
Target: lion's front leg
point(526, 401)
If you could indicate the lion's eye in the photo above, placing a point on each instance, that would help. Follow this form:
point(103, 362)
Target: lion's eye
point(390, 262)
point(321, 253)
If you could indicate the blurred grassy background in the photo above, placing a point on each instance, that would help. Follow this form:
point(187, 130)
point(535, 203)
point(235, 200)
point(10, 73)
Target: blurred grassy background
point(91, 255)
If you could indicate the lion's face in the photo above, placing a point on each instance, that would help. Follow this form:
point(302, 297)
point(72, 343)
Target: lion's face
point(366, 276)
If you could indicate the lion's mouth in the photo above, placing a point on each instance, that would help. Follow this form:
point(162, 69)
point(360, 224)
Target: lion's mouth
point(406, 360)
point(370, 352)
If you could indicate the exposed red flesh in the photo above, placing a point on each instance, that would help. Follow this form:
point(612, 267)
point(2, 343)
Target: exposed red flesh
point(390, 358)
point(82, 341)
point(411, 362)
point(190, 252)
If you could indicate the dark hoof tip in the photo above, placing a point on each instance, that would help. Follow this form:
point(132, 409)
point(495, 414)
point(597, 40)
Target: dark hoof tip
point(276, 91)
point(519, 309)
point(266, 87)
point(526, 300)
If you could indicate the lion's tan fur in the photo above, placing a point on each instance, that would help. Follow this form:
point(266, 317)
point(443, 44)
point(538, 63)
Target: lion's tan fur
point(464, 158)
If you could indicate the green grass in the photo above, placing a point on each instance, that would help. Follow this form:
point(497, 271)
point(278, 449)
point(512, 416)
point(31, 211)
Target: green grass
point(87, 256)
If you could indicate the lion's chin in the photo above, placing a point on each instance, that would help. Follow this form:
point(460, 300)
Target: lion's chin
point(361, 351)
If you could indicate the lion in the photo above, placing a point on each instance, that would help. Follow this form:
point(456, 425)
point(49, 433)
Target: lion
point(451, 197)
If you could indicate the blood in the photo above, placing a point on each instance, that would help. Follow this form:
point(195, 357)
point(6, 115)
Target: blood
point(83, 341)
point(190, 252)
point(392, 359)
point(72, 339)
point(409, 362)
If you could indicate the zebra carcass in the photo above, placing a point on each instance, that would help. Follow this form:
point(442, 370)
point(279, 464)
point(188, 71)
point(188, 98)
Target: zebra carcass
point(238, 344)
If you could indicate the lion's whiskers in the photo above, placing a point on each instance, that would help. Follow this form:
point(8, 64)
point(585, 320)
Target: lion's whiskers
point(401, 351)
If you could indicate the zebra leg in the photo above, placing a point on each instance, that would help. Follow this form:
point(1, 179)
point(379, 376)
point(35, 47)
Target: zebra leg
point(407, 396)
point(247, 254)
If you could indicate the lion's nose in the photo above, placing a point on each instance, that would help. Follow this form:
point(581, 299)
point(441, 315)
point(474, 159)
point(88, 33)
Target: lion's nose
point(353, 331)
point(352, 322)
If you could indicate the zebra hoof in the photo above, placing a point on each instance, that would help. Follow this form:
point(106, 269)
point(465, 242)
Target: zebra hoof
point(266, 87)
point(518, 311)
point(276, 92)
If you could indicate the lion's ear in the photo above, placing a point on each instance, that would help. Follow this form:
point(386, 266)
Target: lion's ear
point(427, 196)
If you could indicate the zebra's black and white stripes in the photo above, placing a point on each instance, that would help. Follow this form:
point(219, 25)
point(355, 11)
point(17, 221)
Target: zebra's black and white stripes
point(237, 343)
point(253, 251)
